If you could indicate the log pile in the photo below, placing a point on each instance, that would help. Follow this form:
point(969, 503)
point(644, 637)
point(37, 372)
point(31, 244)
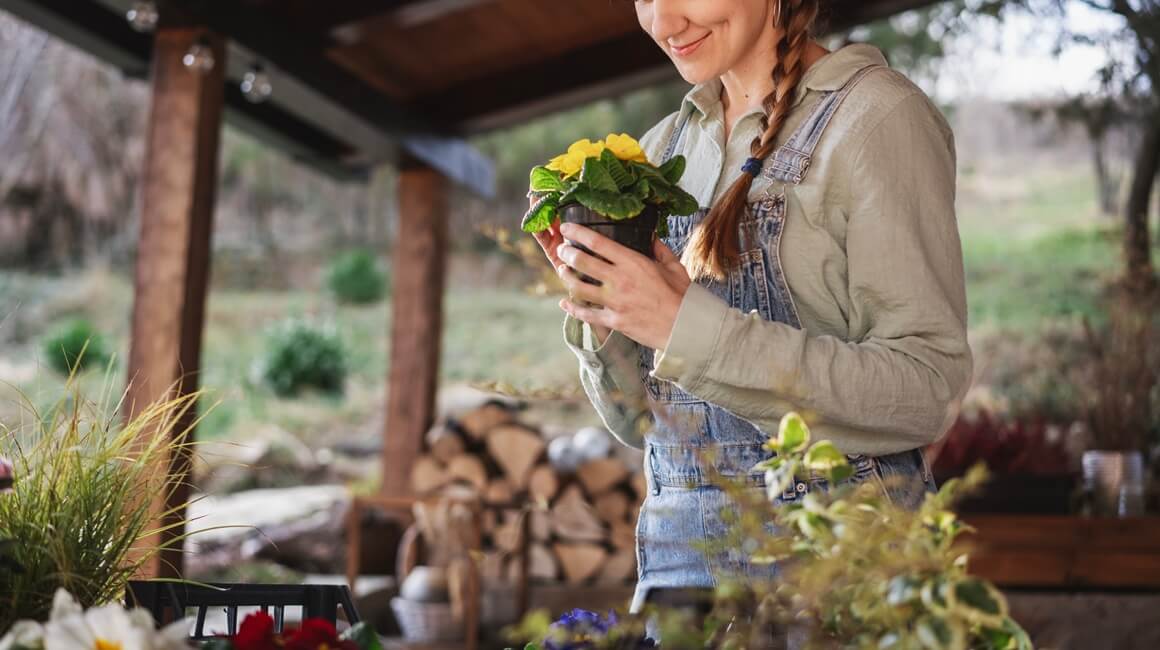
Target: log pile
point(581, 520)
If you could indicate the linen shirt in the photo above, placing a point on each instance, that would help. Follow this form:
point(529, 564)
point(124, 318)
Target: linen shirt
point(871, 254)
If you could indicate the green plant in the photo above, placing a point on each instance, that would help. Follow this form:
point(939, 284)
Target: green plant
point(75, 345)
point(611, 177)
point(300, 355)
point(856, 571)
point(356, 278)
point(79, 515)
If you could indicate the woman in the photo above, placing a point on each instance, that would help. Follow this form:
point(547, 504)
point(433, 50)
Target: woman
point(825, 276)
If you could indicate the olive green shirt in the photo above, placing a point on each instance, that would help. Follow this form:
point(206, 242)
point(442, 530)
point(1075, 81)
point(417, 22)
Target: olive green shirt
point(871, 255)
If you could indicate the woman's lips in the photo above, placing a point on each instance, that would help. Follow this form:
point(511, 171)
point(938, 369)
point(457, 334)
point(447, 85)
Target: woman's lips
point(690, 48)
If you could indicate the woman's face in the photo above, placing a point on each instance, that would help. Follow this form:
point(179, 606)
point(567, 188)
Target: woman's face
point(705, 38)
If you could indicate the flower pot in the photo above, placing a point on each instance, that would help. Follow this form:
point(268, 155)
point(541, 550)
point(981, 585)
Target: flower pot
point(635, 233)
point(1114, 482)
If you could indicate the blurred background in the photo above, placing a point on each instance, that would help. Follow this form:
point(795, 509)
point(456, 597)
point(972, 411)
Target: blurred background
point(1050, 106)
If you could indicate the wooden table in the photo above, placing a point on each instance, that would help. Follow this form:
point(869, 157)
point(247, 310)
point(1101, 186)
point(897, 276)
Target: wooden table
point(1062, 552)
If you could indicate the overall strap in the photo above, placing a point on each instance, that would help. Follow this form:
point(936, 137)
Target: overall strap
point(791, 161)
point(675, 138)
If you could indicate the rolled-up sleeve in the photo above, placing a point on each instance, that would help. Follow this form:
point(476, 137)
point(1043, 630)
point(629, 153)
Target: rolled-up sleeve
point(897, 381)
point(611, 377)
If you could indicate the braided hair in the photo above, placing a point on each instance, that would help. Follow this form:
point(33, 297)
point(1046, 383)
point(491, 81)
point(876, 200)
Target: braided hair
point(714, 246)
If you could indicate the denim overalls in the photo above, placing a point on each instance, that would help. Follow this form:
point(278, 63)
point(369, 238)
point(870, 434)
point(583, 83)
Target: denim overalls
point(682, 505)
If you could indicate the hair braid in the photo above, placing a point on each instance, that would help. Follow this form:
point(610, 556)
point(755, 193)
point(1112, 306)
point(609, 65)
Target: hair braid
point(714, 247)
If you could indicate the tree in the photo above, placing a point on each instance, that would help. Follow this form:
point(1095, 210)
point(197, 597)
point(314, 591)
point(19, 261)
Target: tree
point(1136, 76)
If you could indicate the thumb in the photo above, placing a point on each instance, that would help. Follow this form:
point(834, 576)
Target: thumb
point(663, 253)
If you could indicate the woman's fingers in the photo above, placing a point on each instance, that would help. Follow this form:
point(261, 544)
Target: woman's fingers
point(583, 262)
point(597, 243)
point(580, 290)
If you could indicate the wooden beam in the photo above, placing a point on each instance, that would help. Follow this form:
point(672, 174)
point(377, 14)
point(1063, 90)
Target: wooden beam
point(172, 265)
point(618, 56)
point(419, 265)
point(327, 16)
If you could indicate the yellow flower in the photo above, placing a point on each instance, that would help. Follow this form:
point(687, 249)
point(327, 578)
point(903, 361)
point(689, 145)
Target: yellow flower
point(572, 162)
point(625, 147)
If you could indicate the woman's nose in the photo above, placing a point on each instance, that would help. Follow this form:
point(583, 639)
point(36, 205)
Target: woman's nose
point(668, 19)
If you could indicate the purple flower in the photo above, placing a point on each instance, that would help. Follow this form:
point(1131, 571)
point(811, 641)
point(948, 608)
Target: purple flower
point(6, 475)
point(581, 629)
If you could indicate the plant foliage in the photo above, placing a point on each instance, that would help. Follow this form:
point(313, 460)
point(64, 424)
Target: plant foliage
point(612, 177)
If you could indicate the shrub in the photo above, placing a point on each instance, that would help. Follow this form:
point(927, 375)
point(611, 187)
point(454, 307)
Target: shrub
point(75, 517)
point(356, 278)
point(74, 346)
point(301, 355)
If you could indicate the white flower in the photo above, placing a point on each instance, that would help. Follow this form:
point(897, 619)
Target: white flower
point(24, 634)
point(109, 627)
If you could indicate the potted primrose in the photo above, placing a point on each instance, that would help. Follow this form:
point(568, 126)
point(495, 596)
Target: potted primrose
point(611, 187)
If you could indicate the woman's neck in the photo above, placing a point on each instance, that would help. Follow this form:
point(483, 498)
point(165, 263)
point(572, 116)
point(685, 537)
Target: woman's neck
point(747, 84)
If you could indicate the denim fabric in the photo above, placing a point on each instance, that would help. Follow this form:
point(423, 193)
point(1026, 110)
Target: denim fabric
point(691, 439)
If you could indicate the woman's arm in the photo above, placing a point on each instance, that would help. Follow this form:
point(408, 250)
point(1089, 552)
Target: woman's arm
point(898, 382)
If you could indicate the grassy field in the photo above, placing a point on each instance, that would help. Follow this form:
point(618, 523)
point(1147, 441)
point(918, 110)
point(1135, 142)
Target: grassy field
point(1036, 254)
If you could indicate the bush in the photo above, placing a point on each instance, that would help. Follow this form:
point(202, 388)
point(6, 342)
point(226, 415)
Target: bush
point(76, 345)
point(75, 517)
point(301, 355)
point(356, 278)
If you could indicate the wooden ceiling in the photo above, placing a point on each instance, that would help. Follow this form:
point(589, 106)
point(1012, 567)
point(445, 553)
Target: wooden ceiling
point(353, 74)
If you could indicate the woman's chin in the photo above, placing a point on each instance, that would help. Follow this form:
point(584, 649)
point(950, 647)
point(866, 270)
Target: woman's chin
point(694, 73)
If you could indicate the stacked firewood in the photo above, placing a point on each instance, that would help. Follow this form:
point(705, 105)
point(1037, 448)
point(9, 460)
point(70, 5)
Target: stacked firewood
point(581, 514)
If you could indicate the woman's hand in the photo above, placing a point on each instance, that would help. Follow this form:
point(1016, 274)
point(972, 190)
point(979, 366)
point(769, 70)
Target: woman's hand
point(640, 297)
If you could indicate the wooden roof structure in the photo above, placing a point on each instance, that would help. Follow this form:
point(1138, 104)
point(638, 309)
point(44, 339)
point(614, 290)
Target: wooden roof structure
point(356, 83)
point(355, 79)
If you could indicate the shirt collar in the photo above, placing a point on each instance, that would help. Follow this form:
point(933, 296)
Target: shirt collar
point(828, 73)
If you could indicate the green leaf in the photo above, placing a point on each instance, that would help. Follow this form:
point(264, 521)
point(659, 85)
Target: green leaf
point(978, 601)
point(541, 215)
point(663, 225)
point(840, 473)
point(610, 204)
point(364, 635)
point(596, 176)
point(673, 169)
point(936, 634)
point(642, 188)
point(792, 434)
point(779, 476)
point(823, 457)
point(545, 180)
point(903, 590)
point(616, 169)
point(934, 595)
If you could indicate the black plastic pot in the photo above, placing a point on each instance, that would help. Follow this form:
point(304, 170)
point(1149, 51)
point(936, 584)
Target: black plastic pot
point(635, 233)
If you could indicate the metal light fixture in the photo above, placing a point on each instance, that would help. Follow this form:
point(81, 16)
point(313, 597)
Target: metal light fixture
point(199, 57)
point(256, 86)
point(142, 16)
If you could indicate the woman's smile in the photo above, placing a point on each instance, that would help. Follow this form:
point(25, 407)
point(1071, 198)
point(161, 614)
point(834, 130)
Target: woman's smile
point(686, 50)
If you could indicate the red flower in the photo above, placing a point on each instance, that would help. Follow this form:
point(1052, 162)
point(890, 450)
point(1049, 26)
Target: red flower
point(316, 634)
point(257, 633)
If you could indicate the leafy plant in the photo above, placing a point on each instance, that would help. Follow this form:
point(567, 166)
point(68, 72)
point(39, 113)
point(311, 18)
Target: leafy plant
point(75, 345)
point(1020, 447)
point(612, 177)
point(1123, 404)
point(856, 570)
point(355, 277)
point(300, 355)
point(78, 515)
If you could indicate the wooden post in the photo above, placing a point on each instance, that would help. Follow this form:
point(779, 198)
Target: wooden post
point(172, 266)
point(419, 269)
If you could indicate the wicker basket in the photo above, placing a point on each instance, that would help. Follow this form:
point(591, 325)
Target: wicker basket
point(426, 622)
